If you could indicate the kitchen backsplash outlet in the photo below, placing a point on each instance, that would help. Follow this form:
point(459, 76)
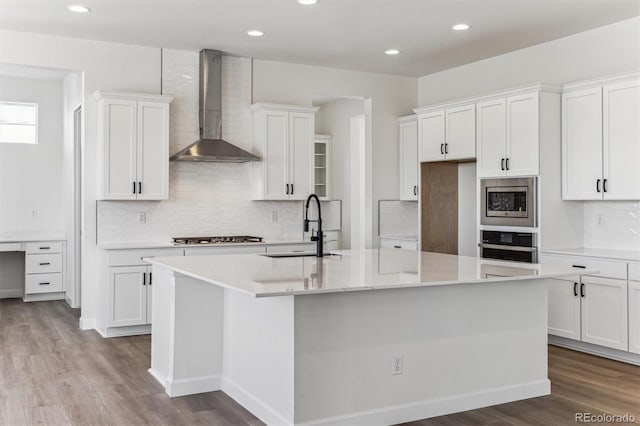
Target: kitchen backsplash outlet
point(612, 225)
point(205, 199)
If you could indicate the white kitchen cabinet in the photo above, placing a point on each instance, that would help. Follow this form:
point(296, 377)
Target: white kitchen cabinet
point(408, 157)
point(447, 134)
point(508, 136)
point(634, 317)
point(564, 307)
point(133, 140)
point(604, 312)
point(322, 165)
point(601, 140)
point(127, 294)
point(283, 136)
point(44, 267)
point(398, 243)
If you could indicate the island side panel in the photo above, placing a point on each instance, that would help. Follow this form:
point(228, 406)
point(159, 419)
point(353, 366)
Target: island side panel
point(186, 333)
point(258, 355)
point(461, 347)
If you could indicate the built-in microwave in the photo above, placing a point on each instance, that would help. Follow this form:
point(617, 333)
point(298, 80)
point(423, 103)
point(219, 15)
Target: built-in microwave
point(509, 202)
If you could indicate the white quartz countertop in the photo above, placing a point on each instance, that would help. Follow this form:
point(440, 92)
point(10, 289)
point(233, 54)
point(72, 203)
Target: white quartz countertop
point(373, 269)
point(629, 255)
point(168, 244)
point(26, 236)
point(399, 237)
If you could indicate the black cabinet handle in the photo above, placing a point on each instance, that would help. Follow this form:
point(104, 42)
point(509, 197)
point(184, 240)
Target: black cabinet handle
point(45, 263)
point(45, 283)
point(287, 185)
point(582, 292)
point(415, 190)
point(134, 187)
point(45, 248)
point(397, 246)
point(575, 289)
point(144, 278)
point(507, 163)
point(139, 187)
point(446, 148)
point(604, 185)
point(579, 266)
point(291, 189)
point(598, 185)
point(150, 278)
point(442, 148)
point(502, 164)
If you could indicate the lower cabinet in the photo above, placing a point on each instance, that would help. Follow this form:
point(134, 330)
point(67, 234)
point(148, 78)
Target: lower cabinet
point(634, 317)
point(590, 309)
point(129, 292)
point(398, 243)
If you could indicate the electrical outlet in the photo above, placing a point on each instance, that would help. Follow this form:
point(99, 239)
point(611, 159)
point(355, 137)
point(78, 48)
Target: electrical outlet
point(600, 219)
point(274, 216)
point(34, 212)
point(142, 217)
point(396, 366)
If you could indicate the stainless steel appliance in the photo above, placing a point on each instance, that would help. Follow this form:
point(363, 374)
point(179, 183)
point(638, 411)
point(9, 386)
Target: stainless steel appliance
point(517, 246)
point(231, 239)
point(509, 202)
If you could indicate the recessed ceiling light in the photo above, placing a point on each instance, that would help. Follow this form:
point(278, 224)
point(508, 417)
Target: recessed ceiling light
point(307, 2)
point(460, 27)
point(255, 33)
point(77, 8)
point(392, 51)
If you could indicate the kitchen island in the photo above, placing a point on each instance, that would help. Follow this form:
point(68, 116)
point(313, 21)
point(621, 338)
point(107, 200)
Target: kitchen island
point(367, 337)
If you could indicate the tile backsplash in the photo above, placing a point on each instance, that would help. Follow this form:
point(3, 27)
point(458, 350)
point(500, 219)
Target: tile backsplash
point(205, 198)
point(398, 218)
point(612, 225)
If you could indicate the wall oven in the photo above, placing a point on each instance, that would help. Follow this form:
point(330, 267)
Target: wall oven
point(508, 202)
point(516, 246)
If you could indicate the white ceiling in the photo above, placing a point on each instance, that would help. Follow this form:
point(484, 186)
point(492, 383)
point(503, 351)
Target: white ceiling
point(349, 34)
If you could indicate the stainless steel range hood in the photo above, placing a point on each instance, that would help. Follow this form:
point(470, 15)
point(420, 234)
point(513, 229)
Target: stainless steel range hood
point(211, 147)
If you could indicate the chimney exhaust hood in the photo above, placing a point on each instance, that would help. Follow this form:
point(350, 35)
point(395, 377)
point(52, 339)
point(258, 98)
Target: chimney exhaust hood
point(211, 147)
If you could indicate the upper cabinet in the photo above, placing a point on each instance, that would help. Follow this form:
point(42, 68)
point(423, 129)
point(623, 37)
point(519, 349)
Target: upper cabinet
point(408, 157)
point(322, 163)
point(447, 134)
point(283, 135)
point(133, 146)
point(508, 136)
point(601, 140)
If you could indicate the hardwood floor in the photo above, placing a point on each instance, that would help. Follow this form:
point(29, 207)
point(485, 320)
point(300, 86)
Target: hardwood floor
point(53, 373)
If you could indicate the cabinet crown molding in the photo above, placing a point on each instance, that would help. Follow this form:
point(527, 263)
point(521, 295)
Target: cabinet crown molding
point(407, 118)
point(601, 81)
point(283, 107)
point(133, 96)
point(540, 87)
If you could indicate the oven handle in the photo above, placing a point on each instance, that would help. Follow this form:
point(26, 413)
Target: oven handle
point(510, 248)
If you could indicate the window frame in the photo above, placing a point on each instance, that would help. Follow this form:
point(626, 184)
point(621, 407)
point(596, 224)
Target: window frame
point(35, 124)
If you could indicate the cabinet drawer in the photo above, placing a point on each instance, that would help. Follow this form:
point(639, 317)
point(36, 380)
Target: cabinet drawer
point(10, 247)
point(607, 268)
point(43, 283)
point(290, 248)
point(43, 263)
point(634, 271)
point(44, 247)
point(398, 244)
point(209, 251)
point(134, 257)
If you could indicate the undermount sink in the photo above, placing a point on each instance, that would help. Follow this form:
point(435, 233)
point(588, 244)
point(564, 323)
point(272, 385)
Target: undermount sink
point(295, 254)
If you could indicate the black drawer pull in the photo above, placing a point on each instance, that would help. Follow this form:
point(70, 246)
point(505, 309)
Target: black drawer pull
point(397, 246)
point(579, 266)
point(45, 283)
point(45, 264)
point(45, 248)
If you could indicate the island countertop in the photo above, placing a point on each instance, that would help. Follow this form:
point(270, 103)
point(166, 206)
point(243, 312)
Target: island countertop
point(352, 270)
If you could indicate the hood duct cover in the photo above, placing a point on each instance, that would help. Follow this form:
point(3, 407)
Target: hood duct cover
point(211, 147)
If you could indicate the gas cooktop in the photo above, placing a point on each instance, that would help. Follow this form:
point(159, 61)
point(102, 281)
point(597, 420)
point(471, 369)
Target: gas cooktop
point(230, 239)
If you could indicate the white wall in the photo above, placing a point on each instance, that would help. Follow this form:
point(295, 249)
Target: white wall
point(334, 118)
point(31, 175)
point(602, 51)
point(390, 97)
point(107, 66)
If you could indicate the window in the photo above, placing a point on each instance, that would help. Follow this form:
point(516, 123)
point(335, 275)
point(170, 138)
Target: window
point(18, 122)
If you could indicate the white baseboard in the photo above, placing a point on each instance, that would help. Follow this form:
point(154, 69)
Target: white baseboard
point(192, 386)
point(597, 350)
point(133, 330)
point(11, 293)
point(253, 404)
point(87, 323)
point(43, 297)
point(157, 376)
point(436, 407)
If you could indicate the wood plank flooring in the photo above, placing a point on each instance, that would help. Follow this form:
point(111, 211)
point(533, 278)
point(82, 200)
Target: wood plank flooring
point(52, 373)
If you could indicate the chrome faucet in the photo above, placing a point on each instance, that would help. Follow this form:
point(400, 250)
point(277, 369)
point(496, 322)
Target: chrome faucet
point(319, 237)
